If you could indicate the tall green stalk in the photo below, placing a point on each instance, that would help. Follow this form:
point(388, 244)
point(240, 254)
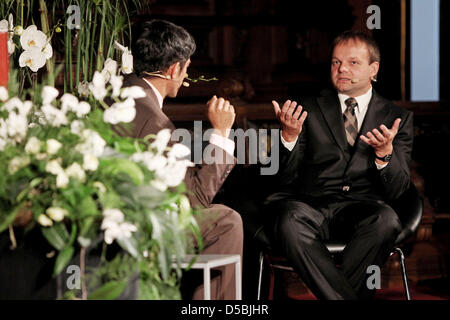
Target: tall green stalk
point(46, 29)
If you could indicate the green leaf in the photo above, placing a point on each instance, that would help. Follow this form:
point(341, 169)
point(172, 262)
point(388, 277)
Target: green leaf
point(109, 291)
point(9, 219)
point(57, 235)
point(63, 259)
point(129, 244)
point(87, 207)
point(116, 166)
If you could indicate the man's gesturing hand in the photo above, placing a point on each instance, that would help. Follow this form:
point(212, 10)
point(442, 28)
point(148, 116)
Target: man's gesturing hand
point(221, 115)
point(291, 122)
point(382, 141)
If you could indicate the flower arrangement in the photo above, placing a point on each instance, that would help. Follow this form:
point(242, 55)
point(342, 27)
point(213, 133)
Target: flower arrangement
point(68, 173)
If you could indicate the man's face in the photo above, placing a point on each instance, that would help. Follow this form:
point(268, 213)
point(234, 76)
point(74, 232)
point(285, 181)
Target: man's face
point(350, 61)
point(178, 79)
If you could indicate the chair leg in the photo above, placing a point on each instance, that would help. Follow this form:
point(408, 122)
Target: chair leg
point(261, 266)
point(402, 264)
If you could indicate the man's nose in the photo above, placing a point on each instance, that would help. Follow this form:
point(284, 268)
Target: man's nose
point(343, 68)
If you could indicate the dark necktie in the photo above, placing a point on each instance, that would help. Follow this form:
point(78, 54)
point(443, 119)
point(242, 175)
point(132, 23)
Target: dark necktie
point(350, 121)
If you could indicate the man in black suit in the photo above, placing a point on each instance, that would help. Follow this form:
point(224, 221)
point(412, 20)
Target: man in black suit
point(345, 157)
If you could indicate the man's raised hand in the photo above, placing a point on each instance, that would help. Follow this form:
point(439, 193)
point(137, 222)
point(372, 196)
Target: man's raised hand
point(291, 119)
point(221, 114)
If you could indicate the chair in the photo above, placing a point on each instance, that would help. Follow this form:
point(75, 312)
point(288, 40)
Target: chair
point(409, 208)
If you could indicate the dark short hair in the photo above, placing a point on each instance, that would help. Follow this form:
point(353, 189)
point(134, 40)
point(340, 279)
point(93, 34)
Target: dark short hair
point(372, 46)
point(160, 44)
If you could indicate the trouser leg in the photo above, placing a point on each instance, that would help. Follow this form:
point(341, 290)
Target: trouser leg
point(222, 233)
point(300, 231)
point(373, 228)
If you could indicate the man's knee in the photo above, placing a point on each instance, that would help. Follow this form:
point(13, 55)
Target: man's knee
point(298, 220)
point(387, 224)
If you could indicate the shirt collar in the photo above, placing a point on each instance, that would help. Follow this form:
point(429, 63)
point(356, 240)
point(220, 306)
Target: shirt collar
point(363, 100)
point(158, 95)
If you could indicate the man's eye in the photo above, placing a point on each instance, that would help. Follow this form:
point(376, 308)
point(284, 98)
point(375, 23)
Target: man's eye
point(354, 62)
point(335, 62)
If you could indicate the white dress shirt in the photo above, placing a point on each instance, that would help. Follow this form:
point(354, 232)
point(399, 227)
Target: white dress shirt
point(215, 139)
point(360, 112)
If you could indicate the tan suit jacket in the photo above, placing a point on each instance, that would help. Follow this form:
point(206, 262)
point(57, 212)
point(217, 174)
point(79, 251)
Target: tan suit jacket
point(202, 181)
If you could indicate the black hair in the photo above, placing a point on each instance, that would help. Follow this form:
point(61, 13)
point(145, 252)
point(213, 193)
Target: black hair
point(160, 44)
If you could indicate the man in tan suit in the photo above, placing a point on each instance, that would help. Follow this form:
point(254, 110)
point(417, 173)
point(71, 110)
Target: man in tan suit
point(161, 57)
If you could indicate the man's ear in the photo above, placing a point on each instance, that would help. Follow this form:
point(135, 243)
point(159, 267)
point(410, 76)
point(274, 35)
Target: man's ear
point(374, 67)
point(174, 70)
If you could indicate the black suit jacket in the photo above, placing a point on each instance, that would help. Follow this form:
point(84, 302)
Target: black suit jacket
point(322, 163)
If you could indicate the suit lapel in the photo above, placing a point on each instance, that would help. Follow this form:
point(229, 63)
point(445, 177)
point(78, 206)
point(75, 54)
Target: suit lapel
point(377, 112)
point(331, 110)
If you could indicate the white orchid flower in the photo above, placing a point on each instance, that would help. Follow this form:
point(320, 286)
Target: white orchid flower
point(76, 171)
point(54, 116)
point(97, 86)
point(33, 145)
point(44, 220)
point(4, 94)
point(69, 102)
point(49, 94)
point(54, 167)
point(173, 174)
point(152, 162)
point(179, 151)
point(109, 69)
point(62, 180)
point(114, 226)
point(33, 38)
point(127, 63)
point(90, 162)
point(4, 26)
point(16, 105)
point(161, 140)
point(56, 213)
point(17, 125)
point(76, 127)
point(120, 112)
point(53, 146)
point(33, 58)
point(83, 109)
point(18, 163)
point(134, 92)
point(116, 83)
point(93, 143)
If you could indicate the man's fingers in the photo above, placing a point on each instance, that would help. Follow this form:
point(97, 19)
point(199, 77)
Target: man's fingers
point(396, 125)
point(378, 135)
point(372, 138)
point(365, 139)
point(297, 112)
point(284, 110)
point(214, 98)
point(220, 103)
point(290, 111)
point(226, 105)
point(302, 118)
point(276, 108)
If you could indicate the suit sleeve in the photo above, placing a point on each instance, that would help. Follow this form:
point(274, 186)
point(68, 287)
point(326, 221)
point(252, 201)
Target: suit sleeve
point(290, 160)
point(395, 177)
point(205, 180)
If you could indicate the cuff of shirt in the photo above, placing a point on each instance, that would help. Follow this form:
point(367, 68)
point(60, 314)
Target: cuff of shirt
point(288, 145)
point(380, 166)
point(222, 142)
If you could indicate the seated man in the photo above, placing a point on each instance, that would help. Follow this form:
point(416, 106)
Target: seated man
point(162, 54)
point(344, 158)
